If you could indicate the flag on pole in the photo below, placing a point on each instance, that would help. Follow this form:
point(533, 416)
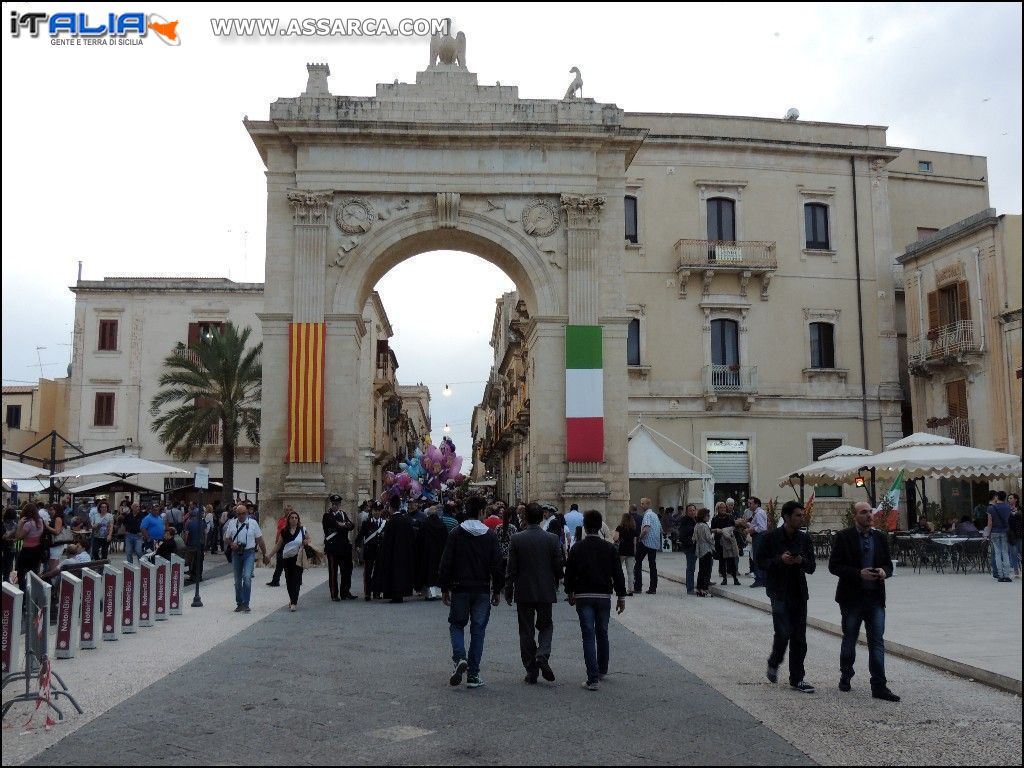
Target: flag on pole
point(889, 511)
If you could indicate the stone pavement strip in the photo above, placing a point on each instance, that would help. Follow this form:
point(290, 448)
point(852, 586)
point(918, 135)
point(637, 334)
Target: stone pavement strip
point(117, 670)
point(963, 623)
point(355, 683)
point(358, 683)
point(942, 720)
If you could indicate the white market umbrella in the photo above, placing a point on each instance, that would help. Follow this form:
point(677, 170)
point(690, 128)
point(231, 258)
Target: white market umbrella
point(15, 470)
point(838, 466)
point(926, 455)
point(123, 467)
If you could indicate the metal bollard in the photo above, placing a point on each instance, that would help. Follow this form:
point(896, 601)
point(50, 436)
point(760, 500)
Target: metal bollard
point(130, 599)
point(112, 602)
point(69, 603)
point(147, 579)
point(160, 598)
point(92, 591)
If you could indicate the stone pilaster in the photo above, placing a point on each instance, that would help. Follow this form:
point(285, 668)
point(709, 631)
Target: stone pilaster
point(304, 485)
point(583, 213)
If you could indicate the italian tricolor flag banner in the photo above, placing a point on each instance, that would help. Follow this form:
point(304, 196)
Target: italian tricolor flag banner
point(584, 393)
point(306, 392)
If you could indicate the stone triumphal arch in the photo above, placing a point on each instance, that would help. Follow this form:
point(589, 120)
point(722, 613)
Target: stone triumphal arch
point(355, 185)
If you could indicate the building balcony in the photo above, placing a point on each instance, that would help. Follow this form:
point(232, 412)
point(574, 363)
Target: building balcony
point(188, 354)
point(955, 428)
point(730, 381)
point(745, 259)
point(947, 345)
point(385, 373)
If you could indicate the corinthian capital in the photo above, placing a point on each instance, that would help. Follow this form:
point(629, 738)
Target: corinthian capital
point(582, 210)
point(310, 207)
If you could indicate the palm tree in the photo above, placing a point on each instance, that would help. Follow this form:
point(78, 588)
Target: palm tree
point(216, 382)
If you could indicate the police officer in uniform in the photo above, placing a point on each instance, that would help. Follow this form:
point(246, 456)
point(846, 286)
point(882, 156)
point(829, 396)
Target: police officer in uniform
point(338, 549)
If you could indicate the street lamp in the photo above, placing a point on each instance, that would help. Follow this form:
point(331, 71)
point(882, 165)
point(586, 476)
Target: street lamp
point(447, 429)
point(447, 391)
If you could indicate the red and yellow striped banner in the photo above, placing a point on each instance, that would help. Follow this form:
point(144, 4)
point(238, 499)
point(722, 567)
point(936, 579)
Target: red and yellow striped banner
point(306, 392)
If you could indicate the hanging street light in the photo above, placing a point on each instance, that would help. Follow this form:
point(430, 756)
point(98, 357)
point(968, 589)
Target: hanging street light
point(447, 392)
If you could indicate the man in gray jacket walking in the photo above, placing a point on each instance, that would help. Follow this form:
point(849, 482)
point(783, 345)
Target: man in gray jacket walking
point(534, 566)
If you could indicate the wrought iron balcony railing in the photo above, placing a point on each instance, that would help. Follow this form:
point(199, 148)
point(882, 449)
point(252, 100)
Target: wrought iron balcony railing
point(947, 342)
point(744, 258)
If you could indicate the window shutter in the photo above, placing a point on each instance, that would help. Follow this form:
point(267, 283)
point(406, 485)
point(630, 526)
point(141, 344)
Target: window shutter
point(193, 334)
point(956, 399)
point(963, 300)
point(933, 310)
point(729, 467)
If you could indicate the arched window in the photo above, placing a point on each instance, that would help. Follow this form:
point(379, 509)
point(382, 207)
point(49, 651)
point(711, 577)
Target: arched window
point(816, 226)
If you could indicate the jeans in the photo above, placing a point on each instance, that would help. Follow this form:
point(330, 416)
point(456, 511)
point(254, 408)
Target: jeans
point(534, 618)
point(871, 612)
point(1015, 558)
point(790, 619)
point(755, 550)
point(652, 560)
point(594, 613)
point(132, 546)
point(473, 608)
point(691, 566)
point(727, 566)
point(242, 563)
point(1001, 557)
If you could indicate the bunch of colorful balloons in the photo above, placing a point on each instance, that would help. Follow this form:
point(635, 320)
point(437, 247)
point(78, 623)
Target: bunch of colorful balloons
point(426, 473)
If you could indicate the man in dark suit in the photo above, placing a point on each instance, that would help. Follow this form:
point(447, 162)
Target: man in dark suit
point(786, 555)
point(534, 566)
point(860, 558)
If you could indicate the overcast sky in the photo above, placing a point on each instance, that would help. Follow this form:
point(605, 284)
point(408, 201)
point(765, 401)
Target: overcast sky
point(135, 161)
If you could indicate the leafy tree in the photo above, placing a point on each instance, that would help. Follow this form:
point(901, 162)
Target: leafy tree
point(216, 382)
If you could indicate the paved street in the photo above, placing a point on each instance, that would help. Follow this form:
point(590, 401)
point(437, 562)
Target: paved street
point(366, 684)
point(355, 683)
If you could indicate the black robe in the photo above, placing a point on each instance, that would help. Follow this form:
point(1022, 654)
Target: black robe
point(393, 569)
point(433, 537)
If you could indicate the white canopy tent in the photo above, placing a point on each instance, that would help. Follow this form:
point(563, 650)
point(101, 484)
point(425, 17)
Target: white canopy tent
point(838, 466)
point(926, 455)
point(648, 460)
point(30, 486)
point(16, 470)
point(122, 467)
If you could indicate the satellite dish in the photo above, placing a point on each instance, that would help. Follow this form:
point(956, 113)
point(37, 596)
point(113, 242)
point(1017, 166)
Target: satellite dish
point(792, 113)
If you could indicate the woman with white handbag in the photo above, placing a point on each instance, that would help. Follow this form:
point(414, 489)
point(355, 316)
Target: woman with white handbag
point(291, 541)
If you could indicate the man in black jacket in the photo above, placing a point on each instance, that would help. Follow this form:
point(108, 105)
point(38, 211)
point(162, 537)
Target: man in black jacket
point(471, 578)
point(534, 567)
point(786, 555)
point(593, 570)
point(860, 558)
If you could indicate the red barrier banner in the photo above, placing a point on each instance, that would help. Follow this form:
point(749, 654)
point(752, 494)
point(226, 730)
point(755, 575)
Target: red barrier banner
point(160, 603)
point(111, 603)
point(91, 588)
point(68, 600)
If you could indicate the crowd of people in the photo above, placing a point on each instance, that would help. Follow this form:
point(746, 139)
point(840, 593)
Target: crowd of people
point(470, 552)
point(42, 538)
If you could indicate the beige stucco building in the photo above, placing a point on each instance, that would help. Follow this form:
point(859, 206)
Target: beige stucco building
point(963, 318)
point(125, 327)
point(31, 413)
